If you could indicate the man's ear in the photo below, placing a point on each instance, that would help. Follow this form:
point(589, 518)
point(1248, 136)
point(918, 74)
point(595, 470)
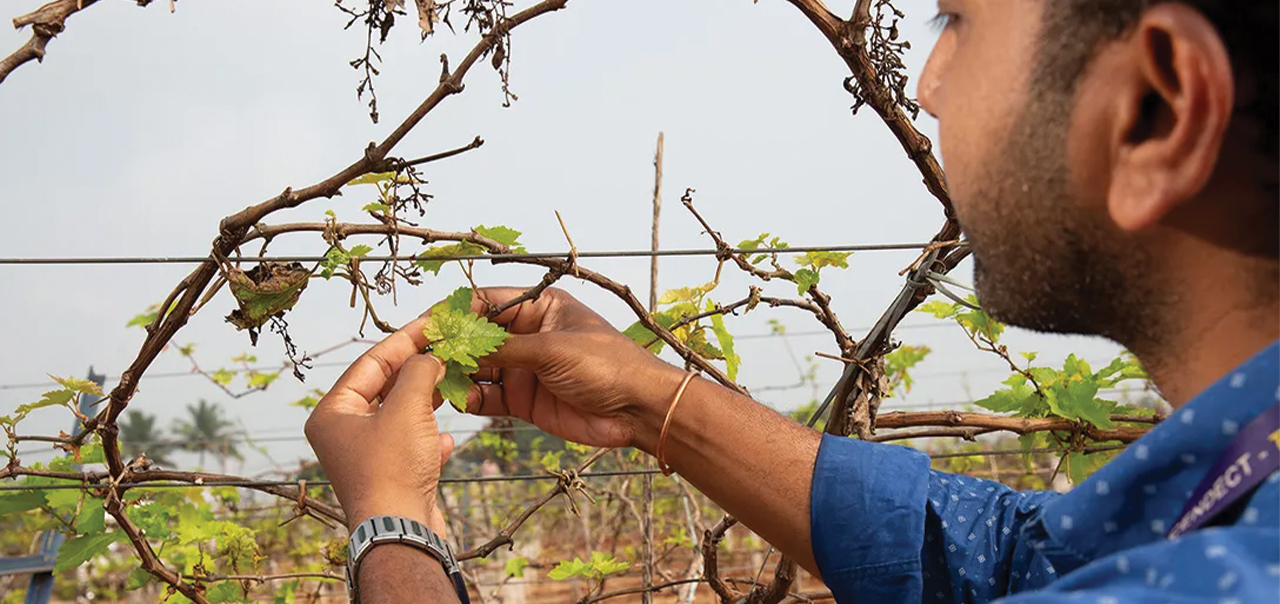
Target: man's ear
point(1171, 114)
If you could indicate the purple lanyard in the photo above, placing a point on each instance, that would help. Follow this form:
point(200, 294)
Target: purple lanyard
point(1252, 456)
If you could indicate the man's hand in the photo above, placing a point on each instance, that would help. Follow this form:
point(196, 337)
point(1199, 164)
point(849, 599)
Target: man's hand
point(569, 372)
point(375, 432)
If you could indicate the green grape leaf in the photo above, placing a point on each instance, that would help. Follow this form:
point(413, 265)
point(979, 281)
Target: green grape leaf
point(604, 564)
point(805, 279)
point(371, 178)
point(686, 294)
point(819, 260)
point(79, 385)
point(20, 501)
point(91, 453)
point(1006, 400)
point(287, 593)
point(262, 380)
point(458, 301)
point(1029, 356)
point(222, 377)
point(504, 235)
point(92, 518)
point(138, 578)
point(455, 386)
point(515, 567)
point(227, 591)
point(462, 337)
point(359, 251)
point(978, 322)
point(465, 248)
point(78, 550)
point(64, 501)
point(731, 359)
point(53, 398)
point(753, 244)
point(696, 340)
point(642, 336)
point(376, 207)
point(569, 568)
point(900, 361)
point(940, 309)
point(333, 260)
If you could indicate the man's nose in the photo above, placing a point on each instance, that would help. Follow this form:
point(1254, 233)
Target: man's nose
point(928, 91)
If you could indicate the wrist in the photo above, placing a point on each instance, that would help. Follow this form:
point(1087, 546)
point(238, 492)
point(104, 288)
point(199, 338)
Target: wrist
point(404, 507)
point(650, 405)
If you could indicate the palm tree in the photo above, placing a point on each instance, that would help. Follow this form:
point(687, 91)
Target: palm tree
point(138, 434)
point(206, 431)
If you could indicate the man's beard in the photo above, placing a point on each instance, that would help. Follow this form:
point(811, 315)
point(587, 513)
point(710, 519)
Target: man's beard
point(1044, 261)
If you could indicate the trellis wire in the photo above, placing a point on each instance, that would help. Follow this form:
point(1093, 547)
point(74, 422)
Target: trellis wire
point(513, 478)
point(869, 247)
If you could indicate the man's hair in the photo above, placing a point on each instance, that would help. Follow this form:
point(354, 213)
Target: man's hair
point(1074, 29)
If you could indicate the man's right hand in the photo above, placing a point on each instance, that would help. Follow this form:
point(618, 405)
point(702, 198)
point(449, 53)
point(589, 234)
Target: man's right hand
point(569, 372)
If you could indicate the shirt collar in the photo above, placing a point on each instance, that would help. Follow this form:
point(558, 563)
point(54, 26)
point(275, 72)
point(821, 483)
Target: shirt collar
point(1134, 499)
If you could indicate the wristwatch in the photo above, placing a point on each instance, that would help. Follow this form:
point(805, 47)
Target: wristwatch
point(395, 529)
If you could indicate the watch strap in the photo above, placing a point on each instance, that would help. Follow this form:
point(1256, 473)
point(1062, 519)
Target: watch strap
point(396, 529)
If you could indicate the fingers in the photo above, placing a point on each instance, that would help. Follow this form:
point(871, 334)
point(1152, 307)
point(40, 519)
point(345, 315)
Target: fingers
point(524, 351)
point(446, 447)
point(415, 386)
point(367, 377)
point(525, 317)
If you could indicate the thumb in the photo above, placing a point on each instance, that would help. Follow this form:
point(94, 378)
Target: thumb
point(414, 385)
point(521, 351)
point(446, 447)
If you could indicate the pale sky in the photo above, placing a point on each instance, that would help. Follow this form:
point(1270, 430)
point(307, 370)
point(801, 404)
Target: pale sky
point(143, 128)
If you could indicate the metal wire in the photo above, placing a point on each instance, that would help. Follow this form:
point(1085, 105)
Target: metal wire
point(514, 478)
point(871, 247)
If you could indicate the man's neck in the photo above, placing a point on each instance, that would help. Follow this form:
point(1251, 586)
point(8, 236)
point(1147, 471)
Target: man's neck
point(1215, 332)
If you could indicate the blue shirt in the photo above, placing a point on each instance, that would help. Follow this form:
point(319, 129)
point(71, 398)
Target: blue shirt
point(886, 528)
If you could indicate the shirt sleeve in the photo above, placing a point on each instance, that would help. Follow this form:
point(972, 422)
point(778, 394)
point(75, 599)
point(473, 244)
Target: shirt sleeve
point(887, 528)
point(1231, 565)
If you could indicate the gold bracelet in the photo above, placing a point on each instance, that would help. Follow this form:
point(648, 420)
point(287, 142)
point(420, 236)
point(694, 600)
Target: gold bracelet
point(662, 436)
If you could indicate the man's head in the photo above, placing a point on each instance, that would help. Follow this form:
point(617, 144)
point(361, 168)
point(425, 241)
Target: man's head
point(1101, 151)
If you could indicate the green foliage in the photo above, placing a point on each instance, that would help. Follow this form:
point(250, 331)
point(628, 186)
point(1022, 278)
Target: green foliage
point(78, 550)
point(503, 235)
point(897, 364)
point(372, 178)
point(731, 358)
point(805, 279)
point(337, 259)
point(976, 323)
point(600, 566)
point(460, 337)
point(515, 567)
point(759, 242)
point(148, 316)
point(309, 401)
point(465, 248)
point(818, 260)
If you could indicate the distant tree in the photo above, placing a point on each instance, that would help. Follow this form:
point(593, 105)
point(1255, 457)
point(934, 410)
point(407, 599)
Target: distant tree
point(207, 432)
point(139, 434)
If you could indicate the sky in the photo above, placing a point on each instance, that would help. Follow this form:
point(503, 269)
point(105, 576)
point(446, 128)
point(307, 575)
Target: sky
point(142, 129)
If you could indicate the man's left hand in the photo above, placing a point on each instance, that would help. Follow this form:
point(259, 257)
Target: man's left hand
point(375, 432)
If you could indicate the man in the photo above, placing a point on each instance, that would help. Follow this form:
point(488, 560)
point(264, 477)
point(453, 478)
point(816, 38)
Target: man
point(1114, 165)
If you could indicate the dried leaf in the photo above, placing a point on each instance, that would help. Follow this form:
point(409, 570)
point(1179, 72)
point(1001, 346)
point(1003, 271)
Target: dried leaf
point(426, 16)
point(265, 291)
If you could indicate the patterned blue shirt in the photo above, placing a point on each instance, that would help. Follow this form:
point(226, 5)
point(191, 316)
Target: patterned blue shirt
point(887, 528)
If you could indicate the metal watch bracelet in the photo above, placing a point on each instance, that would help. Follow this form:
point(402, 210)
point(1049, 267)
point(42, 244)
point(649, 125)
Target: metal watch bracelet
point(395, 529)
